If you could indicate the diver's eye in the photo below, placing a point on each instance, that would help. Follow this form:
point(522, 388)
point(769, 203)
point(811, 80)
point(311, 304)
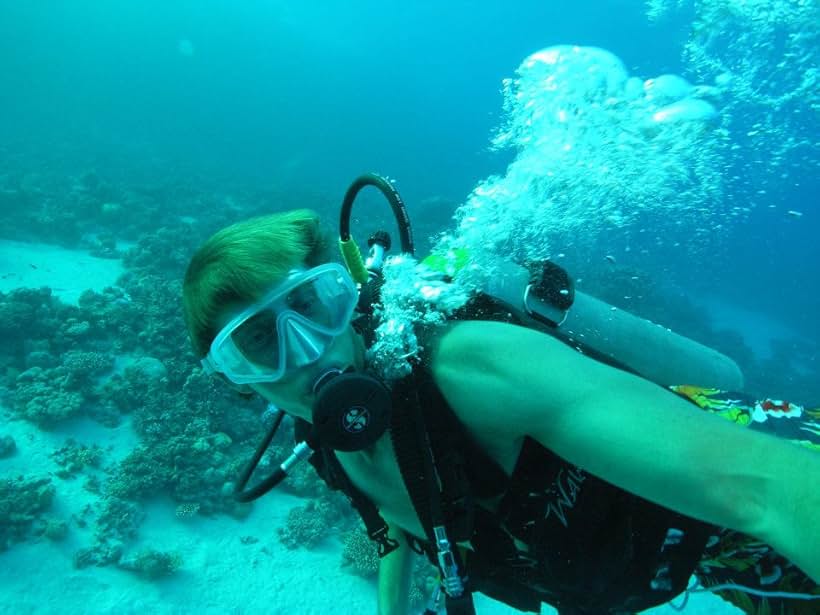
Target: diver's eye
point(302, 301)
point(258, 339)
point(257, 334)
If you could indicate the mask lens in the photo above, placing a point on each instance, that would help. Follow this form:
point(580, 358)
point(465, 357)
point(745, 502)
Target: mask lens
point(289, 328)
point(305, 301)
point(324, 300)
point(257, 339)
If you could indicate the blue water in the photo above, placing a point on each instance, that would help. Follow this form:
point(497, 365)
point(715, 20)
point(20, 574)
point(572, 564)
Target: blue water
point(411, 89)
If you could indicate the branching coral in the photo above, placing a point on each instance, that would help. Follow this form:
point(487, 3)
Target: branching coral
point(22, 504)
point(152, 564)
point(158, 329)
point(360, 554)
point(82, 369)
point(111, 315)
point(74, 457)
point(117, 523)
point(141, 388)
point(7, 446)
point(422, 582)
point(193, 438)
point(119, 520)
point(308, 525)
point(44, 397)
point(29, 321)
point(162, 251)
point(141, 474)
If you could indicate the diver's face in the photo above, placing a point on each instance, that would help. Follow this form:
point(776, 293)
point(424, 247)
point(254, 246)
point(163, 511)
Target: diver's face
point(294, 391)
point(287, 340)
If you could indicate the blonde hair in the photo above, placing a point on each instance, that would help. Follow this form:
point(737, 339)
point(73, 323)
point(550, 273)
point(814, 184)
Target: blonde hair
point(240, 263)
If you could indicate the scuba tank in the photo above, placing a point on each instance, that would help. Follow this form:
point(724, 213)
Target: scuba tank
point(547, 300)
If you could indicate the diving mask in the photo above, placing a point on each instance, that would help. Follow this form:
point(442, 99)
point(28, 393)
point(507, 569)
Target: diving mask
point(288, 328)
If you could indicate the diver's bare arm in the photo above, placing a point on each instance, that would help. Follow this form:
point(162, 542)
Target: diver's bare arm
point(510, 381)
point(394, 576)
point(792, 526)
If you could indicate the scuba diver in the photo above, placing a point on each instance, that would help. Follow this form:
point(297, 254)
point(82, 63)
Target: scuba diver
point(520, 467)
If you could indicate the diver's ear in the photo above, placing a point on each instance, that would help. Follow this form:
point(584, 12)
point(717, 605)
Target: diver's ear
point(244, 390)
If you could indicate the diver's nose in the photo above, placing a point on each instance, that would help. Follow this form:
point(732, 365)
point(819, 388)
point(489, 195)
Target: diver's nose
point(303, 345)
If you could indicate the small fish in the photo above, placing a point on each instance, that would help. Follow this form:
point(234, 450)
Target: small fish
point(610, 258)
point(794, 214)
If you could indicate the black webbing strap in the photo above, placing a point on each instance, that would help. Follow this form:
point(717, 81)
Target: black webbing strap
point(376, 526)
point(408, 437)
point(417, 466)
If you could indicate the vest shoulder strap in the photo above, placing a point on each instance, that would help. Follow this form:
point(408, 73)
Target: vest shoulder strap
point(329, 469)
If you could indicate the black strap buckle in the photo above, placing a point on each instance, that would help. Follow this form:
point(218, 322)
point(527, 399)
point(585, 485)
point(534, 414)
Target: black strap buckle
point(384, 543)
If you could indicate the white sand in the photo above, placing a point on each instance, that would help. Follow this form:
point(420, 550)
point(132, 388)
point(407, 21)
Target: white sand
point(219, 574)
point(67, 272)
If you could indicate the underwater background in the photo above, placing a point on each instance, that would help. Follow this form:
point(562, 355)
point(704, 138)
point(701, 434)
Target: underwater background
point(669, 163)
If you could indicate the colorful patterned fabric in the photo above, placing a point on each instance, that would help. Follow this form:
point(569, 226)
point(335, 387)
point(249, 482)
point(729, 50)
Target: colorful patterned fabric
point(732, 558)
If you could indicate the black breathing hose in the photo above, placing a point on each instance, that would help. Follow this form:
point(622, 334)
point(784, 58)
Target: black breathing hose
point(240, 493)
point(389, 191)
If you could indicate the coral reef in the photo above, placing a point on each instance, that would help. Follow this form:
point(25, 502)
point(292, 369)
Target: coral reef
point(123, 353)
point(55, 529)
point(152, 564)
point(117, 523)
point(73, 457)
point(46, 396)
point(43, 396)
point(164, 252)
point(82, 369)
point(7, 446)
point(83, 210)
point(186, 510)
point(359, 554)
point(31, 320)
point(184, 452)
point(308, 525)
point(22, 504)
point(360, 557)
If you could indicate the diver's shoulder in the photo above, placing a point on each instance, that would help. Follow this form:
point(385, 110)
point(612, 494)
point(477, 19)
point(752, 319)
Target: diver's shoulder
point(476, 366)
point(476, 342)
point(471, 359)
